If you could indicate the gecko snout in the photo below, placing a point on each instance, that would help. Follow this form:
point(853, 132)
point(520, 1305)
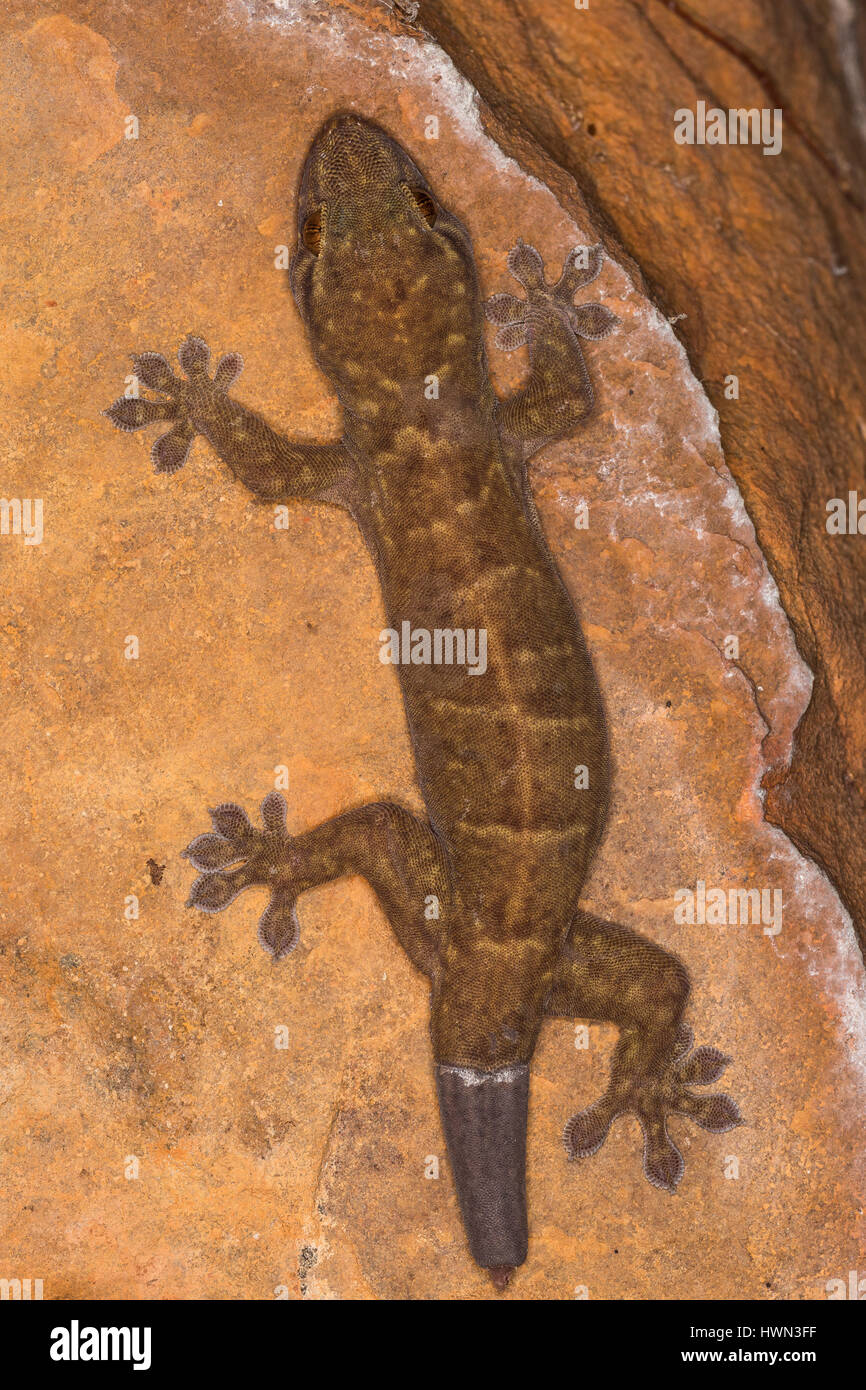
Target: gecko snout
point(350, 154)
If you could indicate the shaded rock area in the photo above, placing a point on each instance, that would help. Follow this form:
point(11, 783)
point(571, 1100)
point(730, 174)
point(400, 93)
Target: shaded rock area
point(182, 1119)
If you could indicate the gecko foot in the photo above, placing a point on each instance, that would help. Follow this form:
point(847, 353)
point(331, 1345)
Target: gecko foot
point(263, 857)
point(517, 317)
point(652, 1097)
point(186, 398)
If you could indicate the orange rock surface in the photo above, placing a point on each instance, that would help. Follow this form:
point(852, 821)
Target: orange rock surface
point(181, 1119)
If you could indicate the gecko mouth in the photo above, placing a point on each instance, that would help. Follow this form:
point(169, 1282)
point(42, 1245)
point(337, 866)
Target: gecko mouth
point(484, 1117)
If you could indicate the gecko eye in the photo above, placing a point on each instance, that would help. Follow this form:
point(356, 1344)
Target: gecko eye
point(424, 204)
point(312, 232)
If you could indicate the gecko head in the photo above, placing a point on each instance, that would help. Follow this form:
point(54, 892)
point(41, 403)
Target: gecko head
point(383, 274)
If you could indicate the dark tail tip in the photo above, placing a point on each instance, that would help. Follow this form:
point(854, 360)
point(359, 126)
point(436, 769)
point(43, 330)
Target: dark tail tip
point(501, 1276)
point(484, 1118)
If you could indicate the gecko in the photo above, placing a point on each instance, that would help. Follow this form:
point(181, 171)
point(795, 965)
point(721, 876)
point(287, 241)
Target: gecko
point(432, 464)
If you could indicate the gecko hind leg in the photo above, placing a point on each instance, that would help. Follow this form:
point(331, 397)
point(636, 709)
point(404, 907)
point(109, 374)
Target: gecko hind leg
point(399, 856)
point(609, 973)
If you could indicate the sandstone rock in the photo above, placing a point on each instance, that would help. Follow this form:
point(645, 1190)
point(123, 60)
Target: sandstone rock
point(303, 1167)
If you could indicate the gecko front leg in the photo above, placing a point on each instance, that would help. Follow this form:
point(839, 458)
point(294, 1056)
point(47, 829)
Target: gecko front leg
point(268, 463)
point(558, 393)
point(612, 974)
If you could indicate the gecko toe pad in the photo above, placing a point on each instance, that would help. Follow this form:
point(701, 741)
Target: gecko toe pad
point(279, 929)
point(194, 356)
point(152, 370)
point(133, 413)
point(587, 1130)
point(591, 320)
point(228, 369)
point(170, 451)
point(261, 857)
point(663, 1164)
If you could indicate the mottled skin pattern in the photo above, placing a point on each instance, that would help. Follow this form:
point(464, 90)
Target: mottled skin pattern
point(432, 465)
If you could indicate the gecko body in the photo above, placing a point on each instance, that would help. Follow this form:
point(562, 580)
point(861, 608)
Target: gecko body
point(432, 465)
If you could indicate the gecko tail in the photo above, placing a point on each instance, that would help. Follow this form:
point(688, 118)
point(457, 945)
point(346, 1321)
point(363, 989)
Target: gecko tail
point(484, 1116)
